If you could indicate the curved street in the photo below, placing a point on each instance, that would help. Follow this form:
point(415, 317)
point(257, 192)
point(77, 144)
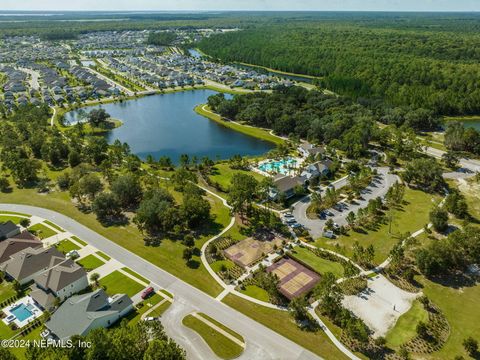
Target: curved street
point(261, 342)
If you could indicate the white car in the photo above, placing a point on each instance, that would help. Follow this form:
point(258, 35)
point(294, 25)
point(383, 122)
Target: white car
point(45, 333)
point(72, 254)
point(150, 318)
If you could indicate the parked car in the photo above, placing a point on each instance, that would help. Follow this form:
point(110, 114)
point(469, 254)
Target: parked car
point(147, 292)
point(296, 226)
point(291, 221)
point(151, 318)
point(288, 215)
point(72, 254)
point(329, 213)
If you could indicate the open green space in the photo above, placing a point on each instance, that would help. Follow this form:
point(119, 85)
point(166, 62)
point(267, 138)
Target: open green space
point(223, 327)
point(217, 265)
point(12, 218)
point(222, 346)
point(134, 274)
point(81, 242)
point(103, 255)
point(222, 174)
point(6, 290)
point(118, 283)
point(256, 292)
point(317, 263)
point(15, 213)
point(65, 246)
point(248, 130)
point(459, 303)
point(410, 217)
point(54, 226)
point(283, 323)
point(168, 255)
point(42, 231)
point(90, 262)
point(405, 328)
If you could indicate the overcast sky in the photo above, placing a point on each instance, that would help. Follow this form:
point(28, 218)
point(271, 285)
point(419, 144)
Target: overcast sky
point(366, 5)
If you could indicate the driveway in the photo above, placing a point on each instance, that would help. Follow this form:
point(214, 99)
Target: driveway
point(379, 187)
point(261, 342)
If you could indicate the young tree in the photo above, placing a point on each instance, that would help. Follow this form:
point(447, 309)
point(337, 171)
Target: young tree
point(471, 346)
point(188, 254)
point(439, 219)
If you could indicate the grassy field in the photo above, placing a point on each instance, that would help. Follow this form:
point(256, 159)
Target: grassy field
point(247, 130)
point(117, 283)
point(412, 216)
point(90, 262)
point(42, 231)
point(256, 292)
point(282, 322)
point(168, 255)
point(222, 346)
point(460, 306)
point(317, 263)
point(6, 290)
point(65, 246)
point(405, 328)
point(223, 174)
point(223, 327)
point(134, 274)
point(217, 265)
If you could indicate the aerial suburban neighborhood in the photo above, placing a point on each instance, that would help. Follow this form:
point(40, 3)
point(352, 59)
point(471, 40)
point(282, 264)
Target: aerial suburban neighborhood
point(239, 184)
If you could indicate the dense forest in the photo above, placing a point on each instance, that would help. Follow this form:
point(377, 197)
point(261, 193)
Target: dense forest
point(161, 38)
point(431, 67)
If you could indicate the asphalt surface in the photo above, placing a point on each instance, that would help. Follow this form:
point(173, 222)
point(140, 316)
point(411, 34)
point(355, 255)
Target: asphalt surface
point(469, 166)
point(378, 187)
point(261, 342)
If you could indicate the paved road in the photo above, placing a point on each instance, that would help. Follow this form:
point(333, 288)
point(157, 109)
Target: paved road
point(261, 342)
point(470, 164)
point(378, 188)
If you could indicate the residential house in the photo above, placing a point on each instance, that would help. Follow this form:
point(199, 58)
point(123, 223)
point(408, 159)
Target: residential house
point(25, 265)
point(16, 244)
point(307, 149)
point(286, 185)
point(8, 229)
point(82, 313)
point(61, 281)
point(317, 169)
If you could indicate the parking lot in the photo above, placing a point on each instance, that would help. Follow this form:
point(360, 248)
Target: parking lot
point(378, 187)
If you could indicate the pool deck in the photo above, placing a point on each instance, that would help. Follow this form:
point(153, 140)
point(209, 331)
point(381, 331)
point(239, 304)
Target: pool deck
point(27, 300)
point(282, 170)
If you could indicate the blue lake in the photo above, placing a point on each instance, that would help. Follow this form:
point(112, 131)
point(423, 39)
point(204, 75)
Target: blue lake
point(167, 125)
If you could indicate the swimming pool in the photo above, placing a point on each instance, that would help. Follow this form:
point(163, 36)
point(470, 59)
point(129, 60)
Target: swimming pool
point(283, 166)
point(22, 312)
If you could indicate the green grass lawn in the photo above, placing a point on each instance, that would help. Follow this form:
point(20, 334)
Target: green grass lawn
point(168, 255)
point(460, 306)
point(15, 213)
point(78, 240)
point(317, 263)
point(118, 283)
point(412, 216)
point(6, 290)
point(12, 218)
point(282, 322)
point(54, 226)
point(223, 174)
point(103, 255)
point(405, 328)
point(217, 265)
point(248, 130)
point(223, 327)
point(135, 316)
point(65, 246)
point(90, 262)
point(42, 231)
point(256, 292)
point(222, 346)
point(169, 294)
point(19, 352)
point(134, 274)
